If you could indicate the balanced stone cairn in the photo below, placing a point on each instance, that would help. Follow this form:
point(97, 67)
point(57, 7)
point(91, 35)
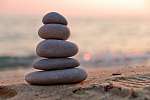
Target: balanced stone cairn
point(56, 66)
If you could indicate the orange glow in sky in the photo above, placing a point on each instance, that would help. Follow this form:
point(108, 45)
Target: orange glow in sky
point(77, 7)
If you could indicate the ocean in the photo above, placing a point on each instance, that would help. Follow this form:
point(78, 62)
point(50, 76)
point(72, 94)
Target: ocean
point(101, 42)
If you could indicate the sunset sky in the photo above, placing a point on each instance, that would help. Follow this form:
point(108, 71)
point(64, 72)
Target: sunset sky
point(95, 8)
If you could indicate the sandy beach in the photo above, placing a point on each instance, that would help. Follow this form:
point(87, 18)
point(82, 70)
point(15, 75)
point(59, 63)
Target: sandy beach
point(132, 83)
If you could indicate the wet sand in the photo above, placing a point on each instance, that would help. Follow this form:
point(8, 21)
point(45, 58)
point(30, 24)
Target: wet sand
point(131, 83)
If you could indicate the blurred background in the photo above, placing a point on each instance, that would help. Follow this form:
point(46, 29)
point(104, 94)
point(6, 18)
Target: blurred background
point(109, 33)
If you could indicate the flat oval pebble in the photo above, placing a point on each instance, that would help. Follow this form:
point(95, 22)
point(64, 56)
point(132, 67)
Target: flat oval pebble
point(54, 18)
point(56, 64)
point(56, 49)
point(68, 76)
point(54, 31)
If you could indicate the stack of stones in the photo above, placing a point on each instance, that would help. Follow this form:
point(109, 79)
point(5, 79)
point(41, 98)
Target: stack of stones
point(56, 66)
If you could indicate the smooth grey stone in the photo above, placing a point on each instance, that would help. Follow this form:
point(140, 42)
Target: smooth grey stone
point(56, 49)
point(56, 64)
point(54, 18)
point(67, 76)
point(54, 31)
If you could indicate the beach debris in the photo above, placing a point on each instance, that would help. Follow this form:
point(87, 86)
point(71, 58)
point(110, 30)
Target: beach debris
point(116, 73)
point(108, 87)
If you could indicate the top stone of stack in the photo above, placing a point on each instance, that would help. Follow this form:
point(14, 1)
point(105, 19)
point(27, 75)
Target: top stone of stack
point(54, 18)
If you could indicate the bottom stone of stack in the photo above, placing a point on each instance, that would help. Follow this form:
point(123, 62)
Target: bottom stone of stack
point(66, 76)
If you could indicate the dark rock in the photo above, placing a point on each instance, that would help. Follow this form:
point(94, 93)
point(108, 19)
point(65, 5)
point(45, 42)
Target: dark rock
point(56, 49)
point(56, 64)
point(68, 76)
point(54, 31)
point(54, 18)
